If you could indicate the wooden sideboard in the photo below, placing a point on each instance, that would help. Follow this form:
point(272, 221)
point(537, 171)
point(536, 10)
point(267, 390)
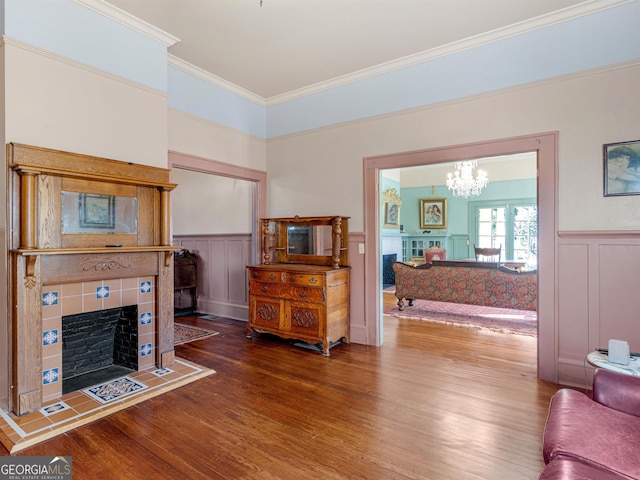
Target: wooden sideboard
point(305, 293)
point(303, 302)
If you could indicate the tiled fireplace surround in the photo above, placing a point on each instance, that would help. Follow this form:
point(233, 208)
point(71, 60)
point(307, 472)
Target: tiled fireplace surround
point(59, 300)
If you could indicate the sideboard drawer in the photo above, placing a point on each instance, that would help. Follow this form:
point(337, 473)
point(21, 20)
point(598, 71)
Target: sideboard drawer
point(268, 276)
point(303, 279)
point(287, 292)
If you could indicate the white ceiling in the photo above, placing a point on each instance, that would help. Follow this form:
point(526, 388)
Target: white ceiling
point(285, 45)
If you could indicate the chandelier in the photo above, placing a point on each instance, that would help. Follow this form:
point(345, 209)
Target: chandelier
point(462, 182)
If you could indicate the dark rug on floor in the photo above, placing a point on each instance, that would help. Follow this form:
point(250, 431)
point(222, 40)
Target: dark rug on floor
point(522, 322)
point(188, 333)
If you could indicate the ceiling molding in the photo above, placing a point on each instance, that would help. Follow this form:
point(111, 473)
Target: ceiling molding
point(586, 8)
point(214, 79)
point(120, 16)
point(107, 10)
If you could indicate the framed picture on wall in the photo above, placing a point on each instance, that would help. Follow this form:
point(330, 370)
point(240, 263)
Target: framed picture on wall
point(391, 203)
point(391, 215)
point(433, 213)
point(621, 168)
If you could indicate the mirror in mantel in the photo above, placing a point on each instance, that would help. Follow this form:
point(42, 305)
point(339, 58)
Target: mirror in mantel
point(97, 214)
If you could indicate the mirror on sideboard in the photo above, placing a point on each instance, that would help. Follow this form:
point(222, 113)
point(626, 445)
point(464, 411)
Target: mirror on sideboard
point(310, 240)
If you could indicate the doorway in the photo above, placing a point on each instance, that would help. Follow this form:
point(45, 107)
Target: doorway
point(545, 146)
point(502, 214)
point(230, 261)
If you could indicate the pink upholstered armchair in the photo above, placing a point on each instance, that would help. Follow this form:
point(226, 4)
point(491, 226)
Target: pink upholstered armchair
point(594, 438)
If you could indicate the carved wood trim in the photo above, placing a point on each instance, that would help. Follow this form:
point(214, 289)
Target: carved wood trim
point(27, 158)
point(164, 302)
point(86, 268)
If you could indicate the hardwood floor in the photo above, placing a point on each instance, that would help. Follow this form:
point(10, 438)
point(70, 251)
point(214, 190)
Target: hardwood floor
point(435, 402)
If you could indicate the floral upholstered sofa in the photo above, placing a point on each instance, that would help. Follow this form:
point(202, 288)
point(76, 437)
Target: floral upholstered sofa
point(475, 283)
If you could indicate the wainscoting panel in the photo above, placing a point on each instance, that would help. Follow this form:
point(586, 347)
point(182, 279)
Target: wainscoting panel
point(573, 308)
point(619, 294)
point(598, 297)
point(222, 277)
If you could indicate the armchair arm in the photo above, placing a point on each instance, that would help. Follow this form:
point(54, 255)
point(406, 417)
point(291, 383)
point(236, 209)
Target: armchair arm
point(617, 390)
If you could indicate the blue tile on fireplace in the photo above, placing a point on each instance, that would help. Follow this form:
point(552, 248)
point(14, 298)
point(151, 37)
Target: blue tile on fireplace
point(145, 287)
point(50, 376)
point(50, 337)
point(49, 298)
point(145, 318)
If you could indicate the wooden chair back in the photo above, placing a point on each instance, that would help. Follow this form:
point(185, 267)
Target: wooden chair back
point(488, 254)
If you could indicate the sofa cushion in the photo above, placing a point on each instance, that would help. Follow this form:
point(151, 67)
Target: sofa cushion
point(579, 428)
point(566, 468)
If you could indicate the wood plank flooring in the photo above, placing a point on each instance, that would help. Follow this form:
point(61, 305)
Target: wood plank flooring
point(435, 402)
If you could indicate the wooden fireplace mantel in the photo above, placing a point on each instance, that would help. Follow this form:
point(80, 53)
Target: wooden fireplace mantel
point(42, 254)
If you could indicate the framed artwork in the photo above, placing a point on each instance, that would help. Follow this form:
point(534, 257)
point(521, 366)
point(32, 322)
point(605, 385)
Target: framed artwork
point(621, 168)
point(391, 215)
point(433, 213)
point(97, 211)
point(391, 205)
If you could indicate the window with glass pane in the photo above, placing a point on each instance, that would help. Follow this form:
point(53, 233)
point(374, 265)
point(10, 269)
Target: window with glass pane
point(491, 227)
point(514, 227)
point(525, 233)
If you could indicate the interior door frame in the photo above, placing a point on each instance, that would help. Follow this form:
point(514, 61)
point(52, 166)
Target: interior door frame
point(214, 167)
point(546, 147)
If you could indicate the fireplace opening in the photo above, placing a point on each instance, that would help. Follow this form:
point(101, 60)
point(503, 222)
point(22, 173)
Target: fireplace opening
point(98, 346)
point(388, 275)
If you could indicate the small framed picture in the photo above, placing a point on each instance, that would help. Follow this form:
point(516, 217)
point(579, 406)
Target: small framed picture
point(433, 213)
point(391, 215)
point(97, 211)
point(621, 168)
point(391, 203)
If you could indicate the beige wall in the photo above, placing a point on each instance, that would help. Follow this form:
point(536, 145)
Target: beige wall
point(202, 199)
point(202, 138)
point(588, 110)
point(56, 103)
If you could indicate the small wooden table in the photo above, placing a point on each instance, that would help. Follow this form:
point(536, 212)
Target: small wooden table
point(601, 360)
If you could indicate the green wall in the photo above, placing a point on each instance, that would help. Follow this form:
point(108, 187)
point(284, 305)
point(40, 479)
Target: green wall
point(458, 208)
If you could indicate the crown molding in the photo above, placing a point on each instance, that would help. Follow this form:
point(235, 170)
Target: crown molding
point(459, 100)
point(215, 80)
point(114, 13)
point(559, 16)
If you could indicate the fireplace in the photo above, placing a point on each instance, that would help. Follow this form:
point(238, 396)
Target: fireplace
point(104, 264)
point(123, 307)
point(98, 346)
point(388, 275)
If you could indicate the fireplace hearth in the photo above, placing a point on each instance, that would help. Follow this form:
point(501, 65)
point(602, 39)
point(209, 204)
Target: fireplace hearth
point(98, 346)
